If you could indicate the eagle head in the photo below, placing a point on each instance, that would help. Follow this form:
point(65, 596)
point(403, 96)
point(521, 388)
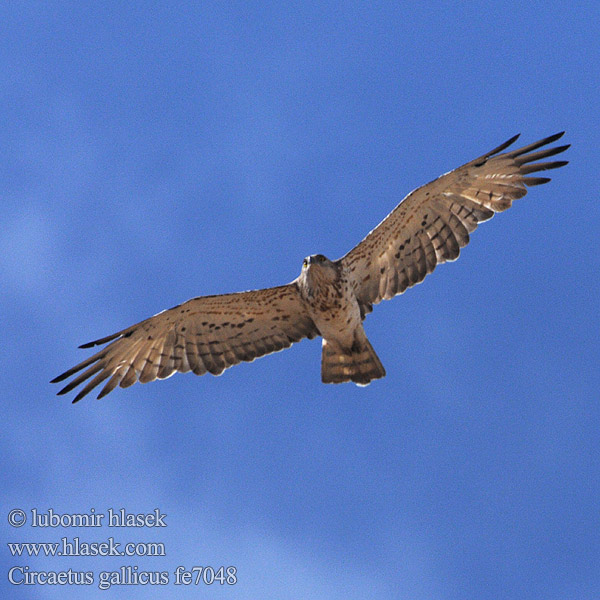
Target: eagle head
point(318, 272)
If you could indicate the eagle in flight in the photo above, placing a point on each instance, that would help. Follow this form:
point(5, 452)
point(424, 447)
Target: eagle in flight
point(329, 298)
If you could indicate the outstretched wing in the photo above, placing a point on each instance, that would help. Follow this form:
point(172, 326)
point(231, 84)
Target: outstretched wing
point(210, 333)
point(434, 221)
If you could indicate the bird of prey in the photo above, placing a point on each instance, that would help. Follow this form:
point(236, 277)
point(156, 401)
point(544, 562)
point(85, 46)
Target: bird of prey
point(329, 298)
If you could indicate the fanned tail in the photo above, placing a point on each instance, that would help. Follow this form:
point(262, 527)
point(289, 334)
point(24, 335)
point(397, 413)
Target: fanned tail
point(359, 363)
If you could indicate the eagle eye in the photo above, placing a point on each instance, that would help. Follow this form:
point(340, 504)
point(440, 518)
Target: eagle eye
point(305, 263)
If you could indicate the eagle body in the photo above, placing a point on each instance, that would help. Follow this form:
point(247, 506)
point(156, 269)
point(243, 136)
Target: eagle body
point(330, 300)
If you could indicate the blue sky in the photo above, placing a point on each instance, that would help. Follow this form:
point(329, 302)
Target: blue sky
point(152, 153)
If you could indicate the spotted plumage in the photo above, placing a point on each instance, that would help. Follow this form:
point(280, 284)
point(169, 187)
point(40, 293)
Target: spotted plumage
point(329, 298)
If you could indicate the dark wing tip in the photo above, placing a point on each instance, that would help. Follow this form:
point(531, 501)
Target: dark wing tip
point(481, 160)
point(526, 150)
point(558, 163)
point(78, 397)
point(71, 385)
point(104, 392)
point(551, 138)
point(531, 181)
point(505, 145)
point(109, 338)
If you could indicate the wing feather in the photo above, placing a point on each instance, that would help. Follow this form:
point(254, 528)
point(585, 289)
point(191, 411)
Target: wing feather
point(206, 334)
point(433, 223)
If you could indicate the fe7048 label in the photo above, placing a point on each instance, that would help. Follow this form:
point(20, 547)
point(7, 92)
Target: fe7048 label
point(205, 576)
